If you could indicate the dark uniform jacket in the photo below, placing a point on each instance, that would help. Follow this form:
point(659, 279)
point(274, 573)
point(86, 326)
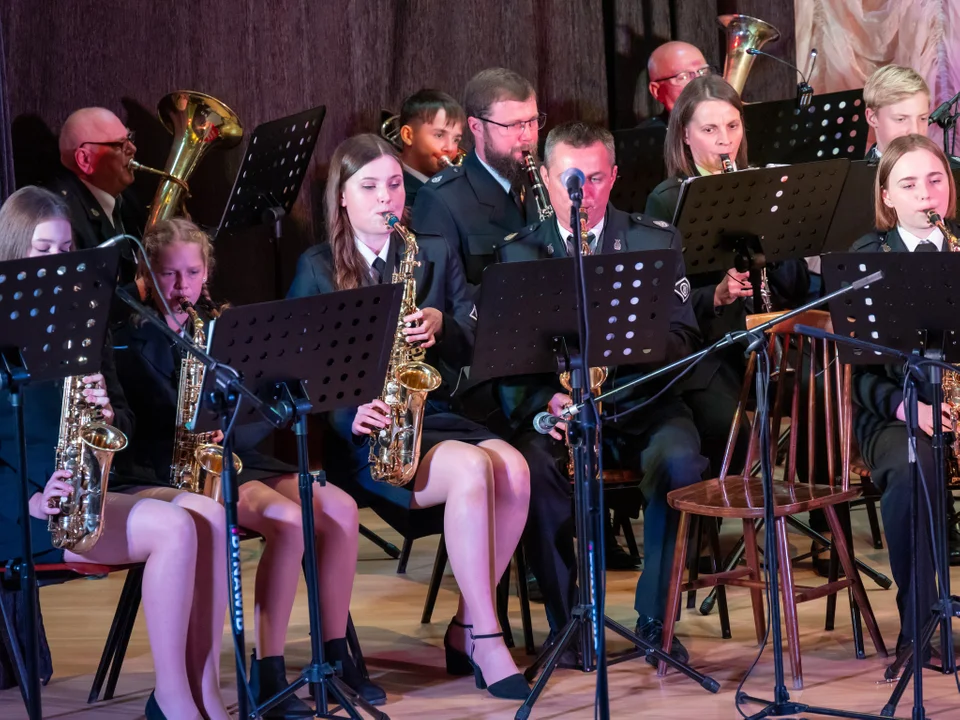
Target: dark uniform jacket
point(468, 207)
point(411, 185)
point(524, 396)
point(878, 389)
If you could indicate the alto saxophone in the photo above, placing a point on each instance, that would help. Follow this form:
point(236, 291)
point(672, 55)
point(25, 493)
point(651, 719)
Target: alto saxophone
point(197, 461)
point(544, 208)
point(85, 447)
point(766, 300)
point(395, 449)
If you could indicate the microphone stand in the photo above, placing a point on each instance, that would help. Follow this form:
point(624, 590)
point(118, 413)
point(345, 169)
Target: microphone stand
point(227, 396)
point(945, 117)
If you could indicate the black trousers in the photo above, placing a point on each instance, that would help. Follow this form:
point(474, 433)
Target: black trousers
point(885, 452)
point(665, 449)
point(713, 408)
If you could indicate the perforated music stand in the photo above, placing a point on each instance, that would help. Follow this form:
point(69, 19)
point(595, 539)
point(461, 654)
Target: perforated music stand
point(53, 323)
point(269, 179)
point(640, 166)
point(832, 126)
point(854, 216)
point(914, 312)
point(318, 353)
point(528, 324)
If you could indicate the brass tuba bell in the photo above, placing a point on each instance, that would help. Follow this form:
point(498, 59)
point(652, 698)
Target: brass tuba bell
point(743, 33)
point(197, 122)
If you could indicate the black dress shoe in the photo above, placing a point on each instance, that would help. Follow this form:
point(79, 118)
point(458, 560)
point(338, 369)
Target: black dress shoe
point(534, 594)
point(152, 711)
point(619, 559)
point(458, 662)
point(268, 676)
point(652, 631)
point(820, 557)
point(336, 651)
point(512, 687)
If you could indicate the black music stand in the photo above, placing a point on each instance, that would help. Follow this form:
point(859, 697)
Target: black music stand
point(640, 166)
point(913, 313)
point(317, 354)
point(529, 324)
point(832, 126)
point(53, 323)
point(268, 182)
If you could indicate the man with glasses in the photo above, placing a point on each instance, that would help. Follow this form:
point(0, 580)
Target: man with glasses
point(474, 206)
point(670, 67)
point(95, 151)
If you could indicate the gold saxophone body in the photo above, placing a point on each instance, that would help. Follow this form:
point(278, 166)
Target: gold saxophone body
point(395, 449)
point(85, 447)
point(197, 461)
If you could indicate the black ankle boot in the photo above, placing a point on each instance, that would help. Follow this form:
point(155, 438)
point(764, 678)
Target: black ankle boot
point(152, 711)
point(268, 676)
point(336, 651)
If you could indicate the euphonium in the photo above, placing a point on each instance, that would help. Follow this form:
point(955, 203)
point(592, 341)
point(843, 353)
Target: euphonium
point(197, 122)
point(197, 460)
point(390, 131)
point(85, 447)
point(456, 162)
point(743, 33)
point(544, 208)
point(395, 449)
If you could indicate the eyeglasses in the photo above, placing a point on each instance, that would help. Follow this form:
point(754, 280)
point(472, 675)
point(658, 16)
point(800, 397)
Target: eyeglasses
point(686, 76)
point(518, 127)
point(115, 144)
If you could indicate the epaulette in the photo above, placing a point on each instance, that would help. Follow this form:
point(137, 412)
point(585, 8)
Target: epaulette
point(873, 242)
point(520, 234)
point(646, 221)
point(445, 176)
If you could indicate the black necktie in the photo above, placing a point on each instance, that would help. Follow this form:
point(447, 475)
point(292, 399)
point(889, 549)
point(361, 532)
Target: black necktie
point(591, 239)
point(117, 219)
point(926, 246)
point(518, 201)
point(379, 265)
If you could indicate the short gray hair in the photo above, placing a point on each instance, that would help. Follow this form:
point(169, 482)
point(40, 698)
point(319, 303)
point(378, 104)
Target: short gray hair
point(579, 135)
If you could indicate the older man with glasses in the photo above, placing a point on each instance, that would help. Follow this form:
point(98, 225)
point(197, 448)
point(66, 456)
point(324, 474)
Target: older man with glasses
point(670, 67)
point(95, 152)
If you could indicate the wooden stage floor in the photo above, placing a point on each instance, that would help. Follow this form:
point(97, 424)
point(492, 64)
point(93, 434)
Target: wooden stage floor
point(407, 657)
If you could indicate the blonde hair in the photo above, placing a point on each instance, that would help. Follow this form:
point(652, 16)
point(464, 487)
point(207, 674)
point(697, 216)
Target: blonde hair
point(886, 216)
point(892, 84)
point(167, 232)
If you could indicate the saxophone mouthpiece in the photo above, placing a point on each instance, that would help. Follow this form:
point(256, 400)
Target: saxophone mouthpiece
point(390, 219)
point(933, 216)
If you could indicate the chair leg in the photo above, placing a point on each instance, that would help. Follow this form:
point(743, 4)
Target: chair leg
point(353, 642)
point(859, 594)
point(753, 562)
point(439, 566)
point(696, 530)
point(622, 521)
point(388, 547)
point(714, 531)
point(843, 515)
point(126, 630)
point(503, 601)
point(522, 593)
point(832, 575)
point(113, 637)
point(676, 583)
point(789, 602)
point(404, 555)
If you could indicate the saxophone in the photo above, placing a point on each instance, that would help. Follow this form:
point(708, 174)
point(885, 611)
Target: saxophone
point(395, 449)
point(951, 381)
point(85, 447)
point(766, 300)
point(544, 208)
point(197, 461)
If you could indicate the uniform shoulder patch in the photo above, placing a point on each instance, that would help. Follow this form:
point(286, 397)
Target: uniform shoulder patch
point(641, 219)
point(446, 175)
point(682, 289)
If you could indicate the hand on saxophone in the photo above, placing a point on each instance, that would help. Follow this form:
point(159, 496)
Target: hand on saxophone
point(423, 327)
point(558, 403)
point(371, 417)
point(48, 502)
point(96, 394)
point(925, 417)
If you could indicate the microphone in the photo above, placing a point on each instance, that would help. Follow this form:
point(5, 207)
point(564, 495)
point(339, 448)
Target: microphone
point(572, 179)
point(544, 422)
point(804, 91)
point(942, 115)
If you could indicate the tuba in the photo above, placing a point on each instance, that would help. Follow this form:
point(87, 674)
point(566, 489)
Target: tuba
point(395, 449)
point(544, 208)
point(743, 33)
point(198, 122)
point(85, 447)
point(197, 460)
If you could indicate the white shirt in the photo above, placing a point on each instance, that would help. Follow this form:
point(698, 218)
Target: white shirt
point(565, 235)
point(369, 255)
point(416, 173)
point(912, 241)
point(504, 183)
point(107, 201)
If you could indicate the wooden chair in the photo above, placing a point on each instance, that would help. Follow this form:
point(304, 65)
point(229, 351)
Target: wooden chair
point(741, 497)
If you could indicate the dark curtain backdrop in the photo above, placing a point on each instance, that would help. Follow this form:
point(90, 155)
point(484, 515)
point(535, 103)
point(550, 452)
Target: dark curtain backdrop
point(267, 59)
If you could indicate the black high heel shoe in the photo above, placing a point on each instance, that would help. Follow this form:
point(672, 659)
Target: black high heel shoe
point(458, 662)
point(152, 711)
point(512, 687)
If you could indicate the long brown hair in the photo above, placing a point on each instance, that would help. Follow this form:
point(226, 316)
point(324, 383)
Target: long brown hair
point(886, 217)
point(178, 229)
point(21, 213)
point(350, 270)
point(677, 154)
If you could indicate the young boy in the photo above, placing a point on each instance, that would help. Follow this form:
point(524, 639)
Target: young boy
point(431, 125)
point(898, 104)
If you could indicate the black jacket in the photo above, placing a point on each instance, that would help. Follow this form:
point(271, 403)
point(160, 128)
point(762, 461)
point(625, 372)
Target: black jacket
point(469, 208)
point(522, 397)
point(878, 389)
point(42, 405)
point(411, 185)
